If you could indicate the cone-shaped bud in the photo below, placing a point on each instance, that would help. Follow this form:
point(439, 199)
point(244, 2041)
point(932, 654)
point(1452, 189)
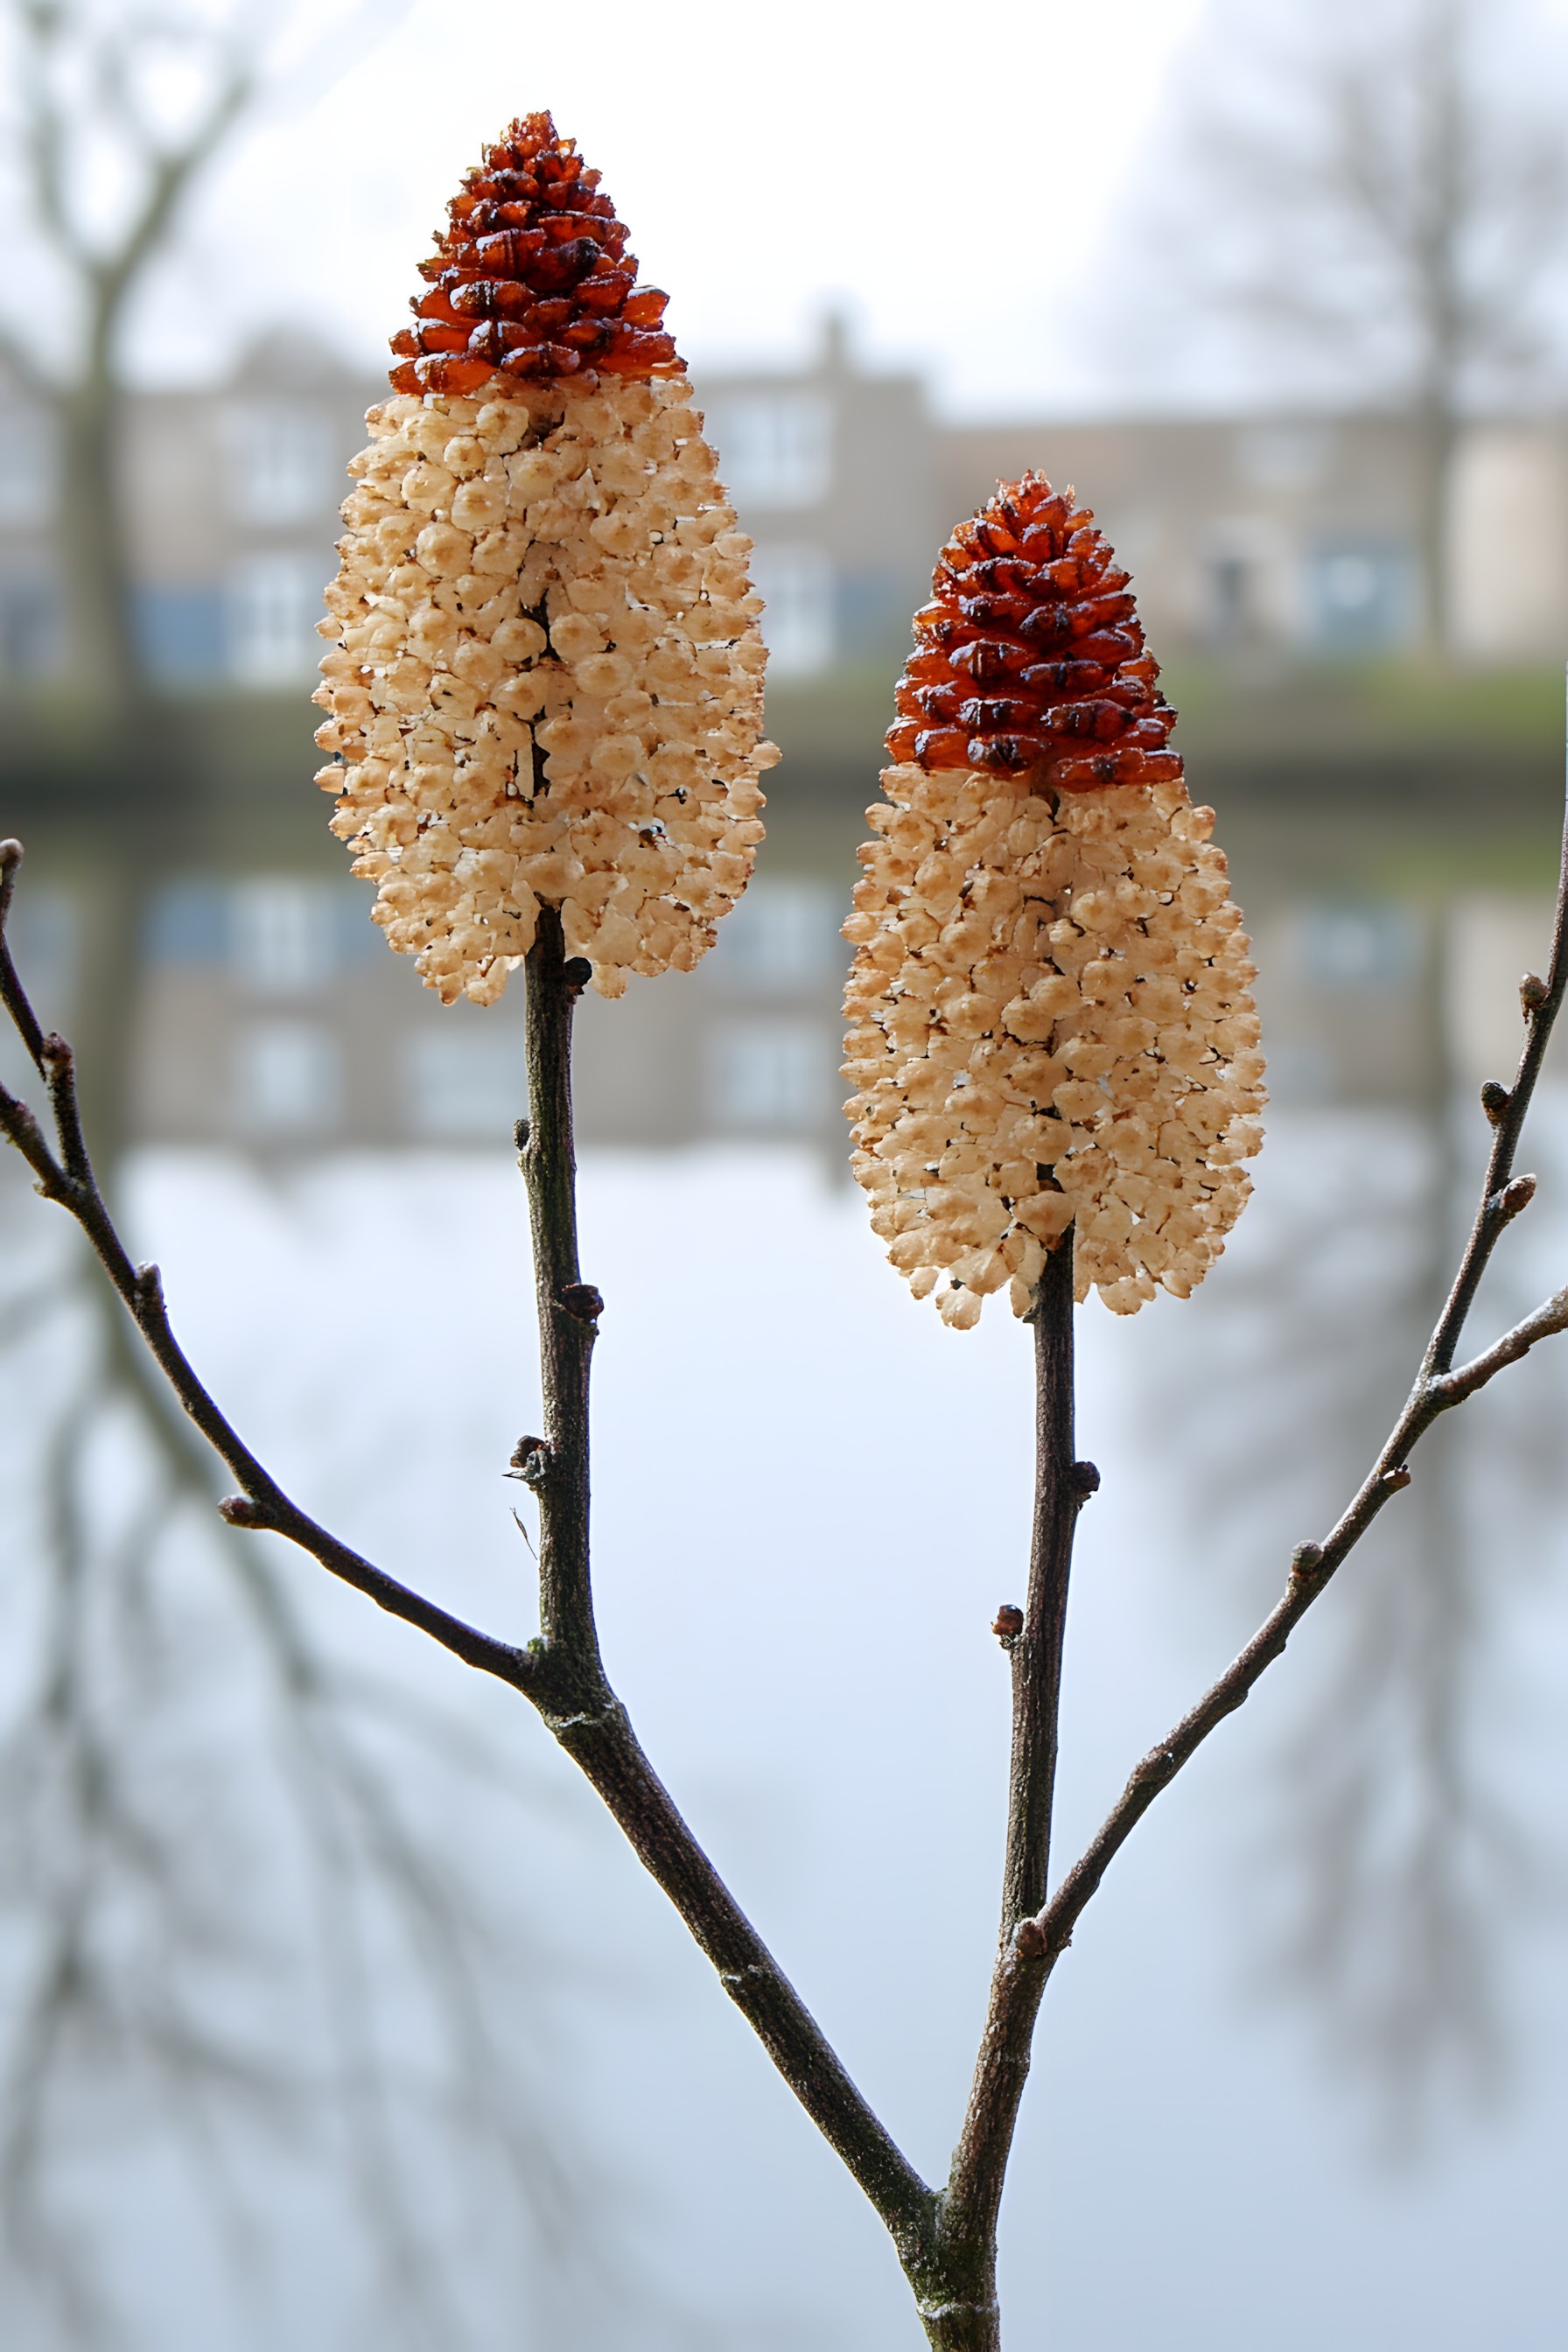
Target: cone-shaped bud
point(1049, 1007)
point(546, 684)
point(530, 278)
point(1030, 658)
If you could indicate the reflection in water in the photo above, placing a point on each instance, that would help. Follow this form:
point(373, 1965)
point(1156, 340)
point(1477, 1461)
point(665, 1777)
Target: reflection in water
point(802, 1624)
point(233, 1921)
point(1387, 1861)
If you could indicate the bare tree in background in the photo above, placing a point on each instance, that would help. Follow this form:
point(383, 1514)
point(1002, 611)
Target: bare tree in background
point(73, 66)
point(129, 1939)
point(1371, 198)
point(140, 100)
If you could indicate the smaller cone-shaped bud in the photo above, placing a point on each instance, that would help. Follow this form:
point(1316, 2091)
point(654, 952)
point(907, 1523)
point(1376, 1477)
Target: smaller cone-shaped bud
point(1029, 659)
point(547, 685)
point(1050, 1017)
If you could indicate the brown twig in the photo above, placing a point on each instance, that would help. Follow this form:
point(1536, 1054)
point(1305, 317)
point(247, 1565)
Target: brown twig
point(947, 2245)
point(961, 2314)
point(563, 1672)
point(65, 1174)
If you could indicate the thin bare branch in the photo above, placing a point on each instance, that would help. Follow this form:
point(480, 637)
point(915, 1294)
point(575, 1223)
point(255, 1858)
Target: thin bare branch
point(963, 2307)
point(1548, 1319)
point(13, 995)
point(562, 1674)
point(570, 1688)
point(1435, 1390)
point(263, 1505)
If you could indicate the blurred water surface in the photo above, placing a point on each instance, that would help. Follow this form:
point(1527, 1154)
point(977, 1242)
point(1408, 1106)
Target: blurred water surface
point(810, 1499)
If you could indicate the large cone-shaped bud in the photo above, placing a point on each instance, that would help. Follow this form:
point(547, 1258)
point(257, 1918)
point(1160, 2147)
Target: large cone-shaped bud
point(547, 685)
point(1050, 1017)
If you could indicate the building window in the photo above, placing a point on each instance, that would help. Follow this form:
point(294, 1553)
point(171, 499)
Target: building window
point(288, 1080)
point(180, 632)
point(282, 938)
point(796, 584)
point(770, 1076)
point(188, 924)
point(27, 467)
point(776, 448)
point(462, 1087)
point(1360, 596)
point(782, 939)
point(272, 606)
point(278, 462)
point(1358, 944)
point(30, 633)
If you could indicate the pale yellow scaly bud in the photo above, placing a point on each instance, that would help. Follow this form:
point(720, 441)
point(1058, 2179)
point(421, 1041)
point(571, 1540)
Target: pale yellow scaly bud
point(1050, 1013)
point(547, 683)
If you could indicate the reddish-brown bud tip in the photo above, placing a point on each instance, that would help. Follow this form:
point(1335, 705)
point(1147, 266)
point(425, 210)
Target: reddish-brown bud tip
point(531, 280)
point(1029, 659)
point(1008, 1623)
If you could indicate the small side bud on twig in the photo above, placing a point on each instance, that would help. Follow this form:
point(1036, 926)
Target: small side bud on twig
point(582, 1302)
point(1086, 1480)
point(242, 1511)
point(520, 1134)
point(1008, 1623)
point(150, 1284)
point(1516, 1196)
point(576, 973)
point(1395, 1482)
point(1028, 1940)
point(530, 1461)
point(1495, 1101)
point(1305, 1562)
point(59, 1058)
point(1532, 993)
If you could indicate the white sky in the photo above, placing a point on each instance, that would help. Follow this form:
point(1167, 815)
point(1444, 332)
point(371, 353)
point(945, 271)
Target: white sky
point(945, 174)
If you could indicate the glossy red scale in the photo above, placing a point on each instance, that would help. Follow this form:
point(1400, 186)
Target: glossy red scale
point(1029, 605)
point(531, 280)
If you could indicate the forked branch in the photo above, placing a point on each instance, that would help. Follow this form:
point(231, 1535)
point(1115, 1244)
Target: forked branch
point(561, 1671)
point(1438, 1389)
point(946, 2244)
point(63, 1172)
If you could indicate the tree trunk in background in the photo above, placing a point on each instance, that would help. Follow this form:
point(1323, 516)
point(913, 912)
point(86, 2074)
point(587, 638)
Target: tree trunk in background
point(105, 678)
point(1434, 432)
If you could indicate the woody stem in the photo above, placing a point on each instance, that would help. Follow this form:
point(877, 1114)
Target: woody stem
point(568, 1683)
point(959, 2294)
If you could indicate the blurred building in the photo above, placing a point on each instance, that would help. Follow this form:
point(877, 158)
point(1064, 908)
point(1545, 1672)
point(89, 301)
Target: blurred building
point(271, 1016)
point(1297, 532)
